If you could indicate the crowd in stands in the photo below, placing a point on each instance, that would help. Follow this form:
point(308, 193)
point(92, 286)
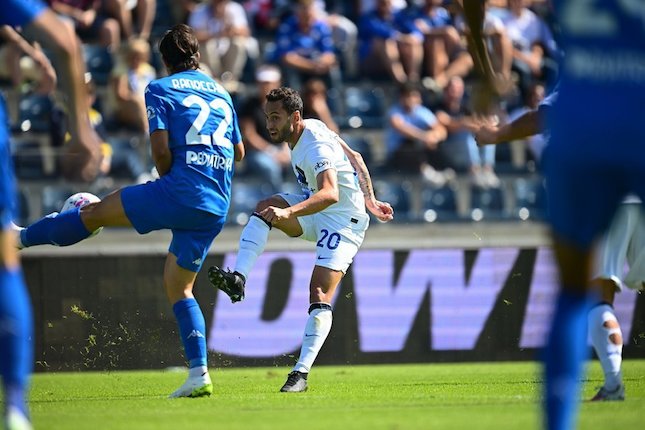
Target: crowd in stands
point(393, 77)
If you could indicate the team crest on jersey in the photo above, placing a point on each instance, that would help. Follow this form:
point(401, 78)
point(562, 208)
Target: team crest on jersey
point(150, 112)
point(323, 163)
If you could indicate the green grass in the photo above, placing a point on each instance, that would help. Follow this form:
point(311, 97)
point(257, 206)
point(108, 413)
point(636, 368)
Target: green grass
point(429, 396)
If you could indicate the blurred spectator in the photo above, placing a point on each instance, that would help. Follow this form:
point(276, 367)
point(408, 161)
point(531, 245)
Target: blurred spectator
point(537, 142)
point(412, 138)
point(445, 55)
point(385, 48)
point(135, 16)
point(263, 157)
point(87, 19)
point(460, 150)
point(129, 79)
point(222, 29)
point(305, 47)
point(119, 159)
point(21, 61)
point(314, 99)
point(534, 48)
point(500, 47)
point(366, 6)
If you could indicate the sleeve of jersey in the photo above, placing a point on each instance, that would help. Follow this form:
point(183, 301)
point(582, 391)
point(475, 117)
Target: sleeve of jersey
point(321, 158)
point(20, 12)
point(237, 134)
point(156, 108)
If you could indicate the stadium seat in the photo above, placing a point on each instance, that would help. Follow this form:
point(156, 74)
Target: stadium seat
point(99, 62)
point(244, 198)
point(487, 204)
point(34, 114)
point(530, 198)
point(364, 107)
point(398, 194)
point(53, 198)
point(361, 145)
point(439, 204)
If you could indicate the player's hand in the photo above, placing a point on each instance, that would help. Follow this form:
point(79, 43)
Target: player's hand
point(274, 215)
point(381, 210)
point(486, 135)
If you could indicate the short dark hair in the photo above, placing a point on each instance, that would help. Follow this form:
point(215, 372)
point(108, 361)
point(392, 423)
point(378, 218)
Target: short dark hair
point(291, 100)
point(179, 48)
point(408, 87)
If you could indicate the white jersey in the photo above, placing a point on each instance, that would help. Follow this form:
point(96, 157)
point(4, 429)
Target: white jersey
point(317, 150)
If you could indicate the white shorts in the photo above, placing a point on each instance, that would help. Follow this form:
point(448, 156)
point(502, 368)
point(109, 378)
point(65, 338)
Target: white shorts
point(337, 236)
point(624, 243)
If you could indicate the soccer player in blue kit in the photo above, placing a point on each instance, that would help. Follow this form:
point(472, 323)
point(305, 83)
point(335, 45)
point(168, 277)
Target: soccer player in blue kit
point(596, 156)
point(195, 139)
point(16, 325)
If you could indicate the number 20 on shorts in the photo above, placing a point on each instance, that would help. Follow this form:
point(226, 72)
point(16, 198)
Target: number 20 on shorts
point(331, 241)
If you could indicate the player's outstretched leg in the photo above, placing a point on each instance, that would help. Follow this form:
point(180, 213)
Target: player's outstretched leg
point(607, 341)
point(252, 242)
point(192, 329)
point(16, 346)
point(232, 283)
point(316, 331)
point(59, 229)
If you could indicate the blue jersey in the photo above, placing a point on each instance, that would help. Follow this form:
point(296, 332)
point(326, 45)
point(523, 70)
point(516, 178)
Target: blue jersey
point(202, 128)
point(14, 13)
point(20, 12)
point(603, 69)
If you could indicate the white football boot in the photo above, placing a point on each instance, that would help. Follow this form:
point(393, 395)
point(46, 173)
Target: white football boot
point(16, 420)
point(195, 386)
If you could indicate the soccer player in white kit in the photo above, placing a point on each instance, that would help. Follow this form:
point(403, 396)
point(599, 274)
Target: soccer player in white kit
point(331, 212)
point(624, 242)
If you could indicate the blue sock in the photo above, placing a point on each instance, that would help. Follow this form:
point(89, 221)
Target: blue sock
point(192, 329)
point(16, 337)
point(565, 353)
point(61, 229)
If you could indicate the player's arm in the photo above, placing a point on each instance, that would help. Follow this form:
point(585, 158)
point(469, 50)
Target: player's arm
point(382, 210)
point(48, 80)
point(83, 153)
point(326, 196)
point(239, 151)
point(160, 149)
point(528, 124)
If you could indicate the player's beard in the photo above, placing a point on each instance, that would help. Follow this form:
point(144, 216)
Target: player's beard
point(283, 133)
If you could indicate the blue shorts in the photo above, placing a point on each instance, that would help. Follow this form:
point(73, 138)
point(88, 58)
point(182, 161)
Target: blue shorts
point(148, 208)
point(589, 170)
point(7, 182)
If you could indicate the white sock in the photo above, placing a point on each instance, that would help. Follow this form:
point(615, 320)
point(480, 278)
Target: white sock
point(252, 241)
point(316, 331)
point(609, 354)
point(194, 372)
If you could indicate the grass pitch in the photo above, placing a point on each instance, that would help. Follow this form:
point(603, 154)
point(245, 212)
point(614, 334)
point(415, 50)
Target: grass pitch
point(429, 396)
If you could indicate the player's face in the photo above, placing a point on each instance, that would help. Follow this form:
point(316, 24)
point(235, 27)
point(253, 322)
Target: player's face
point(279, 122)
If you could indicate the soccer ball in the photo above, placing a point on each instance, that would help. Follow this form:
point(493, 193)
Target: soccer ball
point(79, 200)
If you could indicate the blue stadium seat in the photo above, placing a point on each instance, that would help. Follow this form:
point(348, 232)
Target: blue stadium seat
point(530, 198)
point(244, 198)
point(34, 113)
point(361, 145)
point(398, 194)
point(99, 62)
point(53, 198)
point(439, 204)
point(364, 107)
point(487, 204)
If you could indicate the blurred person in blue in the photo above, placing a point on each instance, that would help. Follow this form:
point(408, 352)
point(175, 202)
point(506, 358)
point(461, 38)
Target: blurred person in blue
point(601, 68)
point(444, 53)
point(195, 139)
point(305, 48)
point(412, 139)
point(386, 47)
point(16, 325)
